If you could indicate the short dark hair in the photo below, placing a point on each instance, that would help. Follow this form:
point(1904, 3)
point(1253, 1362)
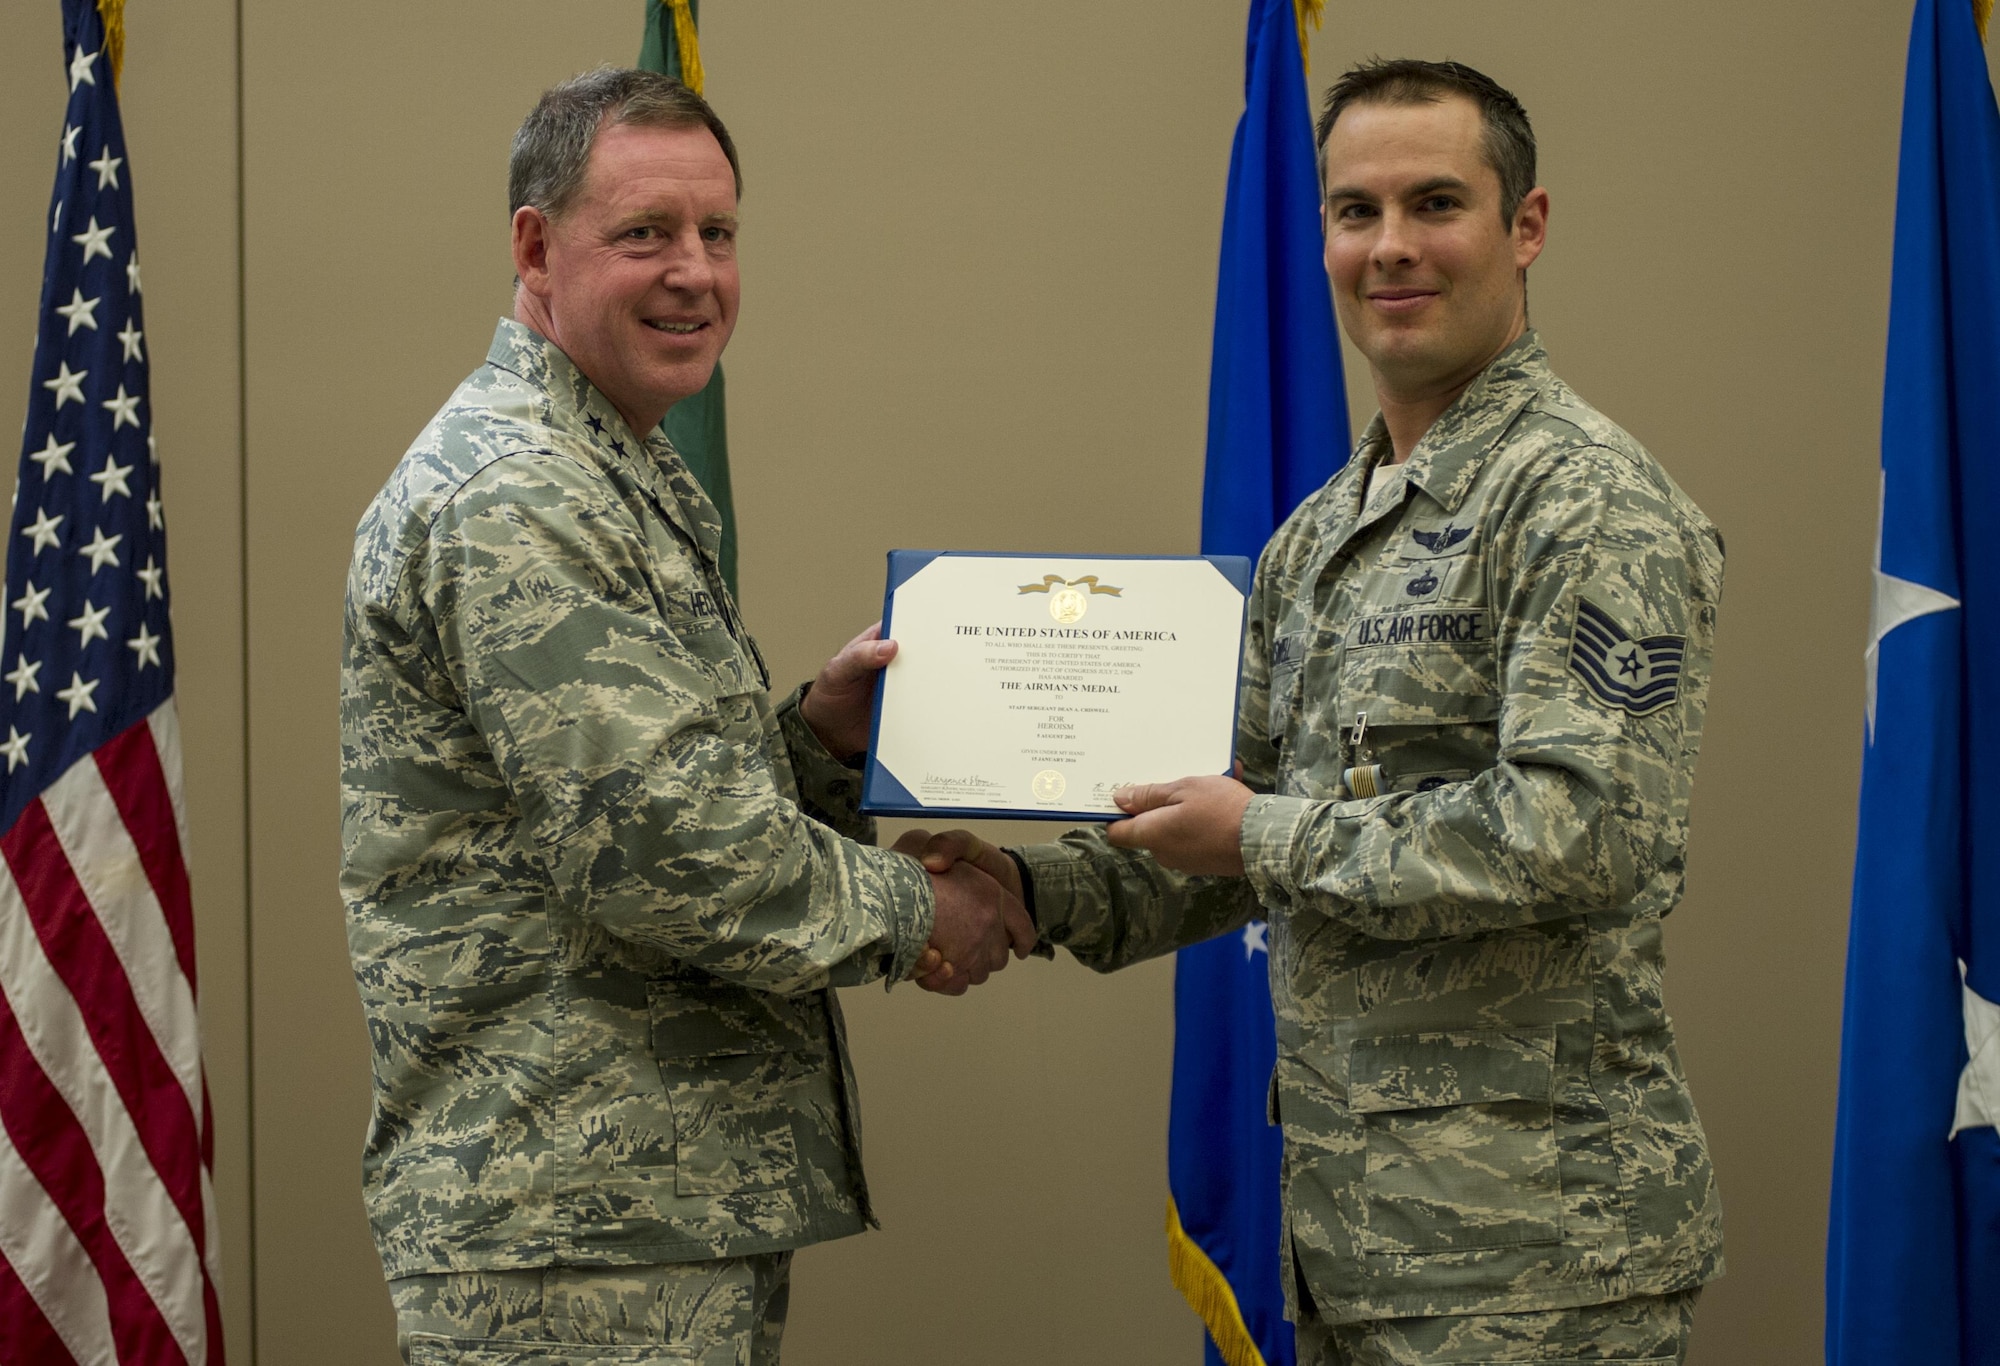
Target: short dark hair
point(552, 146)
point(1509, 143)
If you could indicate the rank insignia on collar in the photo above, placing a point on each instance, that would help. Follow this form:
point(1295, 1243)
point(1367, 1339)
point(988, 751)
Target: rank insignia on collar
point(1441, 540)
point(1639, 676)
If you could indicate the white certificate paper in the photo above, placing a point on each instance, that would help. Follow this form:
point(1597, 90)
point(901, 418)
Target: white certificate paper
point(1036, 685)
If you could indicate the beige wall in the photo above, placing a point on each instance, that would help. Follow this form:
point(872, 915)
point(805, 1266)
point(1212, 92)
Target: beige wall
point(979, 256)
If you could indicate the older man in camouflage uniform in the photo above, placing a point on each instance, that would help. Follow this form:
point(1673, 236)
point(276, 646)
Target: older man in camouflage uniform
point(1475, 676)
point(598, 885)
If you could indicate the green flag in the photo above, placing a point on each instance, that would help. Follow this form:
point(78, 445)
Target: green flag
point(695, 425)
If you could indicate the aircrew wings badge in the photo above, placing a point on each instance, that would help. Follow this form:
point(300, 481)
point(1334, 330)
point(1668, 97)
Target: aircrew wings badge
point(1640, 676)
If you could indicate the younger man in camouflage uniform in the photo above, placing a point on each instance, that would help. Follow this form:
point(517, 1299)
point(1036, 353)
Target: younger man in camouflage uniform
point(599, 887)
point(1475, 676)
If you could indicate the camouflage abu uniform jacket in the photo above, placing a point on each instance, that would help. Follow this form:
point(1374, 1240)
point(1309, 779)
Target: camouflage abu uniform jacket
point(1482, 1105)
point(594, 914)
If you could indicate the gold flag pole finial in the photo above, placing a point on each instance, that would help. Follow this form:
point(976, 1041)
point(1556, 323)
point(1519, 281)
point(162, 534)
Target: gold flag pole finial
point(684, 39)
point(112, 12)
point(1315, 11)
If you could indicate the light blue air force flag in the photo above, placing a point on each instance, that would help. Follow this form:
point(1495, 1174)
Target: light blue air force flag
point(1913, 1247)
point(1277, 430)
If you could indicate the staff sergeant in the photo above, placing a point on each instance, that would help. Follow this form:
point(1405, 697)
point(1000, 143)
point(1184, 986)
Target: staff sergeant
point(599, 885)
point(1475, 678)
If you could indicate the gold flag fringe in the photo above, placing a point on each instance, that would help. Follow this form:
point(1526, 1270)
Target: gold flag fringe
point(113, 14)
point(1982, 10)
point(689, 44)
point(1207, 1291)
point(1315, 11)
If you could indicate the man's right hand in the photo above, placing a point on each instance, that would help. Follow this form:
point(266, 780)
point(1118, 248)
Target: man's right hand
point(939, 852)
point(979, 911)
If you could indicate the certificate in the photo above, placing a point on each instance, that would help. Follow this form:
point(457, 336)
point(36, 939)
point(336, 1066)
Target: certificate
point(1036, 685)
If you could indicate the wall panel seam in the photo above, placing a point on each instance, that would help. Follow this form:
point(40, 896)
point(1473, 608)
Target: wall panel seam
point(243, 664)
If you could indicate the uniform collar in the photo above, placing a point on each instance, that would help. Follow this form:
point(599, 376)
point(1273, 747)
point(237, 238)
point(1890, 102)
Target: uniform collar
point(579, 410)
point(1449, 457)
point(1451, 454)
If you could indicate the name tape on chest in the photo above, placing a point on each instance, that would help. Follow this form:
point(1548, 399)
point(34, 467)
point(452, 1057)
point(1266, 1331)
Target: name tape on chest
point(1637, 675)
point(1444, 627)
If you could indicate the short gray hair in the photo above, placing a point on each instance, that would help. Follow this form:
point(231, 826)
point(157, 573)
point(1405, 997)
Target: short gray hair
point(552, 147)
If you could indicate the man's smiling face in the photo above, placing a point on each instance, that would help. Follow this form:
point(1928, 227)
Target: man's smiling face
point(1426, 273)
point(637, 280)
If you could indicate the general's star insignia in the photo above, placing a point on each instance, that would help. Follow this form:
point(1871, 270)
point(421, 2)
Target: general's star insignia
point(1896, 602)
point(1979, 1083)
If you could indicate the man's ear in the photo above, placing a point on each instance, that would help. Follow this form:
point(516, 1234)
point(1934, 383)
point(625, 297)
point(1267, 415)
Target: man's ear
point(1531, 227)
point(531, 249)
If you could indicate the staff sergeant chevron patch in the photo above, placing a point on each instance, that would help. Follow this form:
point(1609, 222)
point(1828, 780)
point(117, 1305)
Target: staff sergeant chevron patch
point(1640, 676)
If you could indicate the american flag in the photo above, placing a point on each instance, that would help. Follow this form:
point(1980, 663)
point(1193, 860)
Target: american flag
point(107, 1213)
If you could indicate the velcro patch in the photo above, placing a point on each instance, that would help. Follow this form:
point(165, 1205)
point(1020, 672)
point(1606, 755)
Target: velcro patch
point(1639, 676)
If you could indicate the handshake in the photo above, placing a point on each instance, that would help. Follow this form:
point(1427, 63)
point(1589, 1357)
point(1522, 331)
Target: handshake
point(980, 913)
point(1192, 825)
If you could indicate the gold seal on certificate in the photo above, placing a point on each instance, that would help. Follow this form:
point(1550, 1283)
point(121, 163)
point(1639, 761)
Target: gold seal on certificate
point(1038, 685)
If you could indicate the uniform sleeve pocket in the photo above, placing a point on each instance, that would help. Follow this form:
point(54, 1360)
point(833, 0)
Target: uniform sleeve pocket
point(735, 1064)
point(1461, 1139)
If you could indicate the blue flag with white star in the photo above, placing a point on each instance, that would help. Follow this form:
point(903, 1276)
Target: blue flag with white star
point(1913, 1247)
point(1277, 430)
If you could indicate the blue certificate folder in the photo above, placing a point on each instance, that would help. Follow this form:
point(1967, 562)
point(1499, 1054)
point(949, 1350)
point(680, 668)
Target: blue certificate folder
point(883, 795)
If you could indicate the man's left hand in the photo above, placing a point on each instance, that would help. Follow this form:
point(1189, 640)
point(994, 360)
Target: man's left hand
point(1192, 825)
point(841, 700)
